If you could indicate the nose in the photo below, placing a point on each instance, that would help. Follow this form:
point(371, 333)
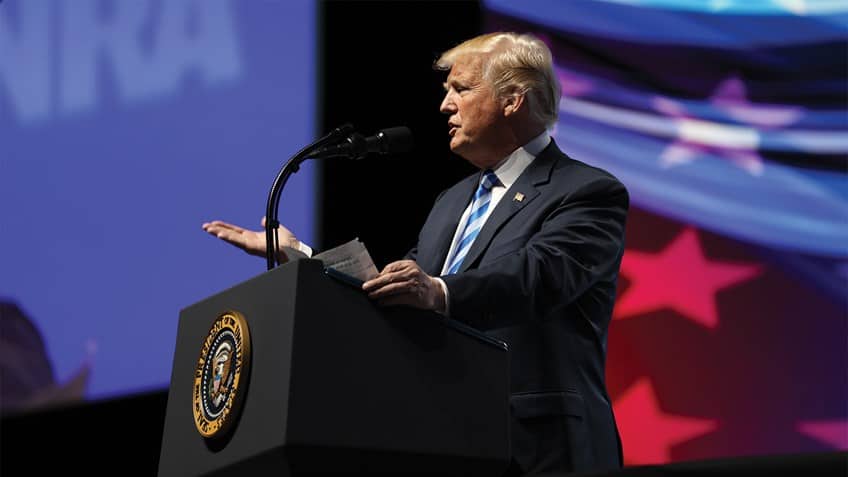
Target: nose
point(448, 106)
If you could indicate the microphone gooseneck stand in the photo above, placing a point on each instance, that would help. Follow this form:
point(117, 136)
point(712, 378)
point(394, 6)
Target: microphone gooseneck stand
point(292, 166)
point(340, 142)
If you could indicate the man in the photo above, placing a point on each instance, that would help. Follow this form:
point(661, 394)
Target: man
point(527, 250)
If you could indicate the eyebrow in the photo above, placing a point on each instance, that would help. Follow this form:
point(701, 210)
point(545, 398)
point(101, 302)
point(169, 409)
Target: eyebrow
point(455, 83)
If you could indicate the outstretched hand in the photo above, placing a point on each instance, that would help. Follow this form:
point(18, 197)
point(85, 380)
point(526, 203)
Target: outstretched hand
point(251, 241)
point(404, 283)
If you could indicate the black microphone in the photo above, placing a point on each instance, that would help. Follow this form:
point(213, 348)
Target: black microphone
point(356, 146)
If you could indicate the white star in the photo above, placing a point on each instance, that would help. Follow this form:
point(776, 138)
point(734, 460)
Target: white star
point(697, 137)
point(731, 97)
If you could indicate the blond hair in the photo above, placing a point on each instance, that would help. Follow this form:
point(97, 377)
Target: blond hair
point(514, 63)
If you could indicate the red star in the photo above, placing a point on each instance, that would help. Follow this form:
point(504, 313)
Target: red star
point(647, 433)
point(679, 277)
point(833, 433)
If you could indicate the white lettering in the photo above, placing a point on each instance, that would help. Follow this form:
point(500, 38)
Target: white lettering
point(195, 35)
point(25, 60)
point(86, 39)
point(142, 53)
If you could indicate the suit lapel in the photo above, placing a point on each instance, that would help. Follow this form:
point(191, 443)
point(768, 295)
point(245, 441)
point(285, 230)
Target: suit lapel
point(522, 192)
point(454, 203)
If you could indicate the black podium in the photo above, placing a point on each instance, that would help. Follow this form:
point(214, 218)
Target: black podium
point(337, 384)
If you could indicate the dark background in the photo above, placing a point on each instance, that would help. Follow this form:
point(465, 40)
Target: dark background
point(377, 73)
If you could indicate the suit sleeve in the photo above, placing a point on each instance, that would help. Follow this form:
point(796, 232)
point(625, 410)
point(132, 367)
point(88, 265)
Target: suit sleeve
point(412, 254)
point(580, 242)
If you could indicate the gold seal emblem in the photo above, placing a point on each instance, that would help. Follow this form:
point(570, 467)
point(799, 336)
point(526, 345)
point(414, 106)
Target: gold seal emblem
point(221, 375)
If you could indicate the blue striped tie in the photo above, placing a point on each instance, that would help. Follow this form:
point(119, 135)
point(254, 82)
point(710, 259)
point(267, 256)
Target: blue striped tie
point(475, 220)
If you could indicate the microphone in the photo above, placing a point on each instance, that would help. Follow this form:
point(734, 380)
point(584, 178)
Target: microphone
point(356, 146)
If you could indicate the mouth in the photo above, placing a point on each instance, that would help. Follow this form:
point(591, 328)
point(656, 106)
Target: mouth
point(452, 128)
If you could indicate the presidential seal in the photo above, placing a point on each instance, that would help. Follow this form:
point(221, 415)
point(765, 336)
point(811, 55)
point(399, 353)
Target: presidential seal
point(221, 375)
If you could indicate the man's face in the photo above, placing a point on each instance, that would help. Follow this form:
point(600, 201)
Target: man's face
point(476, 117)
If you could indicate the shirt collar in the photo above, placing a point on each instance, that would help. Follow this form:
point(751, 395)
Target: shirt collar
point(514, 164)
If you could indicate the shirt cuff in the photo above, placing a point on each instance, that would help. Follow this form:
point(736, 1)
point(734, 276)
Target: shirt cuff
point(304, 248)
point(446, 311)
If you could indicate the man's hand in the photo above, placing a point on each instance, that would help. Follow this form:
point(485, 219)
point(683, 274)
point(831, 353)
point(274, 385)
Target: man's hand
point(404, 283)
point(251, 241)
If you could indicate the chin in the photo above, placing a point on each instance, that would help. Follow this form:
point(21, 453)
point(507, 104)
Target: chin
point(457, 145)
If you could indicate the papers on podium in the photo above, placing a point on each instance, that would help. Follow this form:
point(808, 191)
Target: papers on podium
point(351, 258)
point(349, 262)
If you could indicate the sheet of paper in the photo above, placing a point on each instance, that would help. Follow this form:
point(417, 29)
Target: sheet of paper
point(351, 258)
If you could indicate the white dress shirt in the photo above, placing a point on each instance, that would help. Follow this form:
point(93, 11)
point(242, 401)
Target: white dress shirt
point(507, 170)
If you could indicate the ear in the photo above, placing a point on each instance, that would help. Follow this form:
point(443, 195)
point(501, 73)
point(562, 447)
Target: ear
point(513, 103)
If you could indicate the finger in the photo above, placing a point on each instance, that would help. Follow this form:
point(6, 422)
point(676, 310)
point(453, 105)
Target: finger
point(212, 229)
point(217, 224)
point(399, 265)
point(408, 271)
point(216, 230)
point(396, 288)
point(383, 279)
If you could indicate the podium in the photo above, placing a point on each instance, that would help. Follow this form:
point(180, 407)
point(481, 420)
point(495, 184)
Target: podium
point(336, 384)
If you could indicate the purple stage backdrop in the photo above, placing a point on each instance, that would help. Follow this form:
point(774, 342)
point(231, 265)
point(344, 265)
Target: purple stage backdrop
point(124, 125)
point(728, 122)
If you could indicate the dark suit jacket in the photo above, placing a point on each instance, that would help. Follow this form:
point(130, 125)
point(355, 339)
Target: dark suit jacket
point(541, 276)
